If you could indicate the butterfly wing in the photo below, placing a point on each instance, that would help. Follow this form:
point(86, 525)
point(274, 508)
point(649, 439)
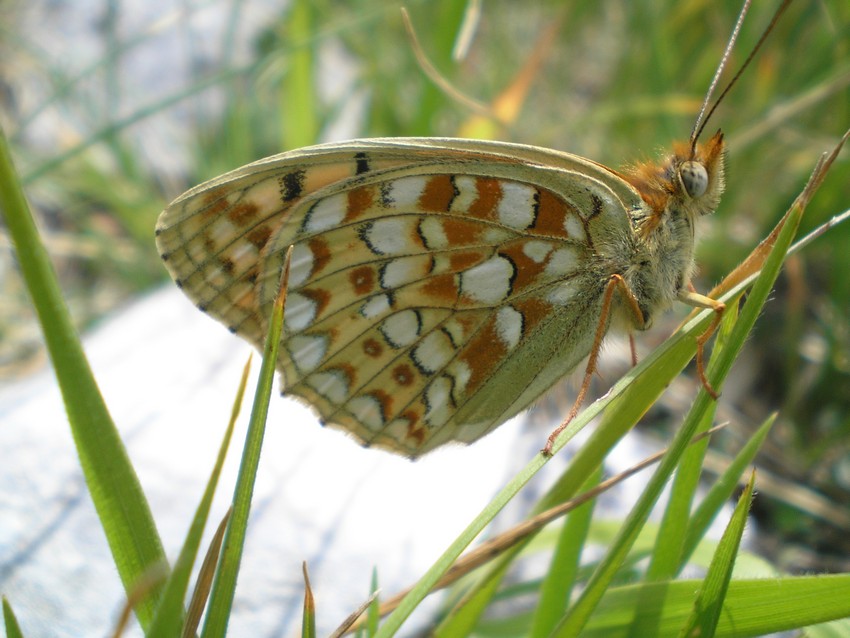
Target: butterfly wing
point(437, 286)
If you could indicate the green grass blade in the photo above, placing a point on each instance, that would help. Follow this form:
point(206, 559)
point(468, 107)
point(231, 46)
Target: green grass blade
point(563, 570)
point(709, 602)
point(722, 490)
point(753, 607)
point(299, 123)
point(308, 620)
point(666, 556)
point(224, 585)
point(203, 585)
point(170, 610)
point(449, 15)
point(117, 495)
point(13, 629)
point(373, 616)
point(602, 578)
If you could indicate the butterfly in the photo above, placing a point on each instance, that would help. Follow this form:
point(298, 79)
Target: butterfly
point(437, 287)
point(440, 286)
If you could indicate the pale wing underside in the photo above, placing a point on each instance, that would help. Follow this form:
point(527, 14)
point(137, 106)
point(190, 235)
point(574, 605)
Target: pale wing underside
point(437, 286)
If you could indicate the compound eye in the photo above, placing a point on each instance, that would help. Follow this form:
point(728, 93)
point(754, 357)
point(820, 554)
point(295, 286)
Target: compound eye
point(694, 178)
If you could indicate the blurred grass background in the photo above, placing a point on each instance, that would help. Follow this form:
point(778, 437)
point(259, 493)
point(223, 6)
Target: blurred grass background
point(112, 120)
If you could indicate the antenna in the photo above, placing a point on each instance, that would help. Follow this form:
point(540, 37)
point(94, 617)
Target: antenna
point(703, 117)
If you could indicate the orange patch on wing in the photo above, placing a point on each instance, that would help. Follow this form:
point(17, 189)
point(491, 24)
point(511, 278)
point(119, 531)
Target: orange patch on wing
point(442, 288)
point(321, 254)
point(526, 271)
point(259, 236)
point(468, 321)
point(489, 193)
point(483, 353)
point(551, 214)
point(438, 194)
point(414, 430)
point(403, 375)
point(465, 260)
point(320, 296)
point(362, 280)
point(359, 201)
point(461, 232)
point(373, 348)
point(215, 203)
point(242, 213)
point(533, 311)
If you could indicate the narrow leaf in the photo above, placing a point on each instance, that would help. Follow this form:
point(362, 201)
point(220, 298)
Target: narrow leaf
point(709, 602)
point(170, 607)
point(116, 492)
point(224, 585)
point(13, 629)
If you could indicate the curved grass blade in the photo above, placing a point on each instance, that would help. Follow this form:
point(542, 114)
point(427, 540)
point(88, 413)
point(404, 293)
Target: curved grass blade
point(170, 609)
point(13, 629)
point(709, 602)
point(121, 505)
point(224, 585)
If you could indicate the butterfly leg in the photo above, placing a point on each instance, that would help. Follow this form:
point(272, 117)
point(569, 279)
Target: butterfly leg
point(701, 301)
point(615, 284)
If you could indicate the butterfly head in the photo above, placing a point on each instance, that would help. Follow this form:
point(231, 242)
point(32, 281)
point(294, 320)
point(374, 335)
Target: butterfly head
point(699, 180)
point(689, 181)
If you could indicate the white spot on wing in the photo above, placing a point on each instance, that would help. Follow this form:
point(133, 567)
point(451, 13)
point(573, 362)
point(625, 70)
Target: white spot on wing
point(307, 351)
point(562, 262)
point(401, 329)
point(438, 400)
point(398, 429)
point(433, 352)
point(467, 193)
point(389, 237)
point(495, 235)
point(516, 206)
point(431, 229)
point(461, 372)
point(301, 265)
point(574, 228)
point(333, 385)
point(398, 272)
point(367, 410)
point(327, 213)
point(243, 253)
point(222, 232)
point(509, 326)
point(536, 250)
point(375, 306)
point(300, 311)
point(488, 282)
point(406, 191)
point(562, 294)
